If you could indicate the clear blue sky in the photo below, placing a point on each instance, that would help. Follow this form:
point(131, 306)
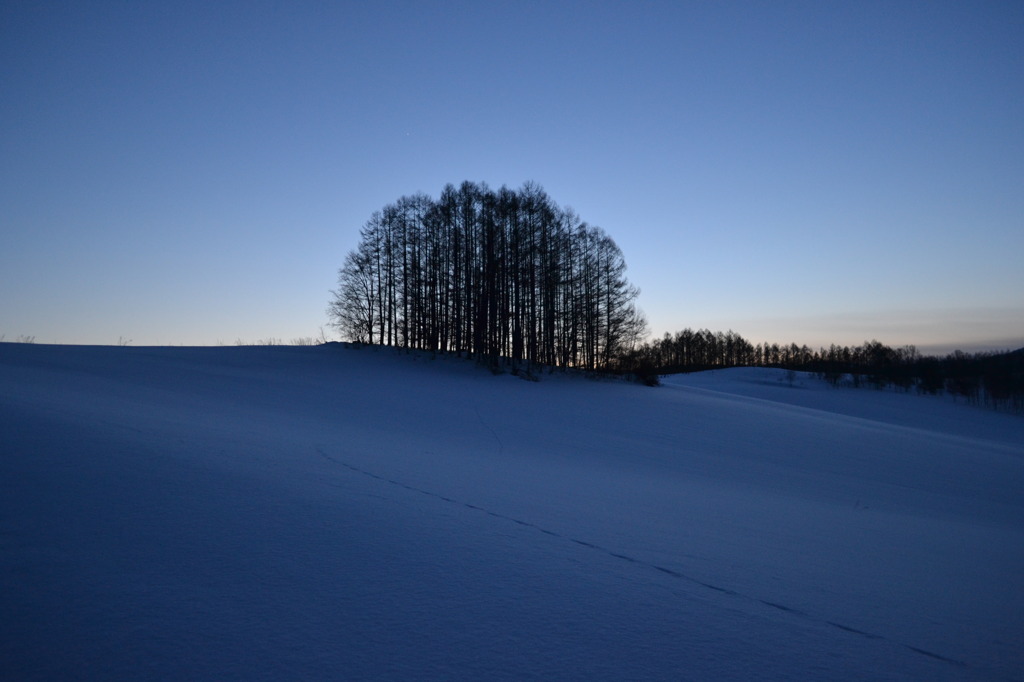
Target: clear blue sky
point(194, 172)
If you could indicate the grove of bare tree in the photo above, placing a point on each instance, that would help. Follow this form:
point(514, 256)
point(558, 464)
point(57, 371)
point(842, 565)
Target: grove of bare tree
point(496, 274)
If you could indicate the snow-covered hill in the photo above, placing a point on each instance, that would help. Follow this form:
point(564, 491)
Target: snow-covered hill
point(339, 513)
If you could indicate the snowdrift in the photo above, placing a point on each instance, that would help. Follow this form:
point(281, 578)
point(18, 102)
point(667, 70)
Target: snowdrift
point(343, 513)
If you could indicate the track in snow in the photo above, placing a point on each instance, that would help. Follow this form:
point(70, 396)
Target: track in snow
point(646, 564)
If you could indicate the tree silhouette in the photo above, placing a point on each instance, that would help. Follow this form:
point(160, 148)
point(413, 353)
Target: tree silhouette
point(495, 274)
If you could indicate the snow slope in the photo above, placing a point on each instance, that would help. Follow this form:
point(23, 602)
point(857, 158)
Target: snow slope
point(340, 513)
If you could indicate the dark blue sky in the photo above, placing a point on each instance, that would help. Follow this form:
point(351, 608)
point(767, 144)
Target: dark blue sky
point(813, 172)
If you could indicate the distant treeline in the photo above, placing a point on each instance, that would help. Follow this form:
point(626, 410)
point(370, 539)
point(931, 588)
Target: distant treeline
point(994, 379)
point(500, 275)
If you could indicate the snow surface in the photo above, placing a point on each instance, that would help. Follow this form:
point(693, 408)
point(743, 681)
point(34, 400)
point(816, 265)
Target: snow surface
point(341, 513)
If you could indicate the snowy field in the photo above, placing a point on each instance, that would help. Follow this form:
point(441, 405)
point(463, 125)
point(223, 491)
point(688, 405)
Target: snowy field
point(336, 513)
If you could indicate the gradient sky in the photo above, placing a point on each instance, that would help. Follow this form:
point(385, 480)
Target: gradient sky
point(818, 172)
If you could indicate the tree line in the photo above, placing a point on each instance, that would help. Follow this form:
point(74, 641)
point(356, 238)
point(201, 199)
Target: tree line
point(993, 379)
point(503, 275)
point(509, 276)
